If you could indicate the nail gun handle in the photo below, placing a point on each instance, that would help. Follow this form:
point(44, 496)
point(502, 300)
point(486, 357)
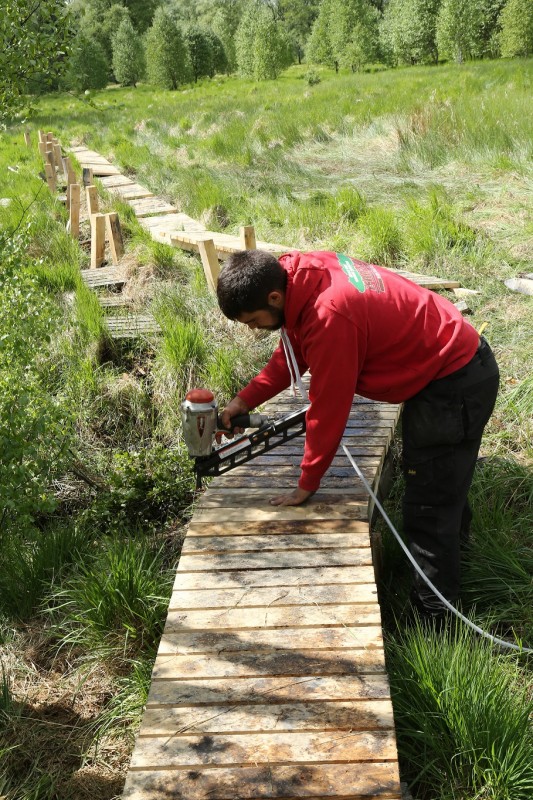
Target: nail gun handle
point(243, 421)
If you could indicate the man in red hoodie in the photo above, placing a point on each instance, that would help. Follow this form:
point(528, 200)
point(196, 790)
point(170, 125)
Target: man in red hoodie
point(363, 329)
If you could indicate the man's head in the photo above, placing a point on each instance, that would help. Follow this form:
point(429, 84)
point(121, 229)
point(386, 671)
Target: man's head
point(251, 289)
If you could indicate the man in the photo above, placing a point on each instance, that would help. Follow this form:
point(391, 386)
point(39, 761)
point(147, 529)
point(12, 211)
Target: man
point(362, 328)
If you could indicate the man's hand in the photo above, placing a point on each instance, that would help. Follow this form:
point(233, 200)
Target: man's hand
point(233, 409)
point(295, 498)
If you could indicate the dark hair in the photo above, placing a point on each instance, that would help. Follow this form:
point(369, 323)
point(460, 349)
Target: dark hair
point(246, 280)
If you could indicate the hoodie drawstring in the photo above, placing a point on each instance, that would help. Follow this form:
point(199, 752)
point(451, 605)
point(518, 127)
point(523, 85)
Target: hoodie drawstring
point(292, 365)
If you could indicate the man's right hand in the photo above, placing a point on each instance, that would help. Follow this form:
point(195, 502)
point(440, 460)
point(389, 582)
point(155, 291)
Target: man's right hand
point(233, 409)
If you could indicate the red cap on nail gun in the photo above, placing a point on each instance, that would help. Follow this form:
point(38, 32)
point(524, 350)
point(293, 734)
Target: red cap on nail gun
point(200, 396)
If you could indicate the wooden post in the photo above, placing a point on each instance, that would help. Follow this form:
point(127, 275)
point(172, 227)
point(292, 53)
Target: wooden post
point(27, 138)
point(87, 176)
point(247, 236)
point(49, 137)
point(97, 240)
point(41, 136)
point(73, 194)
point(70, 176)
point(91, 193)
point(42, 149)
point(210, 263)
point(57, 157)
point(50, 177)
point(114, 236)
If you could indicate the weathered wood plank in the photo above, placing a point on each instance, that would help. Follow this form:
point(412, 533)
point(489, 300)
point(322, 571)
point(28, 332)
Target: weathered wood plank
point(189, 642)
point(351, 781)
point(273, 597)
point(240, 619)
point(301, 527)
point(275, 559)
point(198, 692)
point(305, 576)
point(263, 748)
point(266, 513)
point(361, 715)
point(286, 663)
point(194, 545)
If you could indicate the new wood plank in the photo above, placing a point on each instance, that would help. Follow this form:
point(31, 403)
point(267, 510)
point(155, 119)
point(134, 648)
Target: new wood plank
point(148, 206)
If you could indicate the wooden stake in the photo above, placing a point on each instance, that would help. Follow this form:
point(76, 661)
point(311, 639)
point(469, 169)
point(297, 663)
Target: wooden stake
point(210, 263)
point(91, 193)
point(73, 194)
point(57, 157)
point(97, 240)
point(247, 236)
point(87, 176)
point(49, 136)
point(27, 138)
point(42, 136)
point(114, 236)
point(50, 177)
point(42, 149)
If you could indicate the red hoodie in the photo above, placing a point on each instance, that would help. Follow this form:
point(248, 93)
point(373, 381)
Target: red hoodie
point(357, 328)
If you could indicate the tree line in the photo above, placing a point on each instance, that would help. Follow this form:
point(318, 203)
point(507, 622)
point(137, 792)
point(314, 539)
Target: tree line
point(85, 44)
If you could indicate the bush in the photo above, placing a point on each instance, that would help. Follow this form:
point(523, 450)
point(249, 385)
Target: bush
point(167, 58)
point(88, 65)
point(312, 77)
point(128, 55)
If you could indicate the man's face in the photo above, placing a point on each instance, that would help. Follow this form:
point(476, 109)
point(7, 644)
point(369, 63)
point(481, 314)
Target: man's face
point(265, 319)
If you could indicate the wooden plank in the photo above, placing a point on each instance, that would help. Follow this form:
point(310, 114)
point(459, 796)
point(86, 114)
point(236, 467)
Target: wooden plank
point(247, 237)
point(202, 692)
point(274, 577)
point(131, 191)
point(110, 276)
point(362, 715)
point(112, 181)
point(273, 597)
point(210, 263)
point(286, 663)
point(114, 236)
point(97, 240)
point(263, 748)
point(276, 559)
point(91, 195)
point(241, 619)
point(268, 542)
point(302, 527)
point(308, 511)
point(74, 209)
point(351, 781)
point(196, 642)
point(150, 206)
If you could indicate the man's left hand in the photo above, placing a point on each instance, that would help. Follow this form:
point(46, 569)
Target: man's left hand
point(295, 498)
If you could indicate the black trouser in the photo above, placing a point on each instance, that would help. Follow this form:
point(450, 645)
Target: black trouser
point(442, 427)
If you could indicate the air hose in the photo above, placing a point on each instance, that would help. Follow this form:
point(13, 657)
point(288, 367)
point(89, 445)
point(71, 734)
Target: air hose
point(449, 606)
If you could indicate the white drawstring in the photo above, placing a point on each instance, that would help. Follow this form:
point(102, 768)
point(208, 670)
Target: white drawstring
point(292, 365)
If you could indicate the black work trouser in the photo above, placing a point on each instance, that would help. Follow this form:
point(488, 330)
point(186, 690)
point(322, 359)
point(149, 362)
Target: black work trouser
point(441, 428)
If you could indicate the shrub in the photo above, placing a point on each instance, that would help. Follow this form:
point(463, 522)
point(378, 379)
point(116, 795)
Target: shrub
point(312, 77)
point(88, 65)
point(128, 55)
point(167, 59)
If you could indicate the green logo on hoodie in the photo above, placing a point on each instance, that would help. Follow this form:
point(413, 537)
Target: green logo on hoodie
point(353, 275)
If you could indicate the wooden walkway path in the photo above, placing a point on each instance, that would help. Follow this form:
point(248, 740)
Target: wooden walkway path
point(270, 680)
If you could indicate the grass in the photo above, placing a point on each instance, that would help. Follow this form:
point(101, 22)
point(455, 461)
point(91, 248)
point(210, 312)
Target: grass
point(425, 168)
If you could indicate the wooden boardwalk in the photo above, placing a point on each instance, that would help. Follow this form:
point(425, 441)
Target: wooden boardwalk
point(270, 679)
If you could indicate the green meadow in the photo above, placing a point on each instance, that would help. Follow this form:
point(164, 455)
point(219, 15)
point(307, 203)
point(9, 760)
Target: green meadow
point(428, 168)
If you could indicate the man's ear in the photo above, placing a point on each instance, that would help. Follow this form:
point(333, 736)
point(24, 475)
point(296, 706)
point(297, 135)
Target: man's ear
point(276, 299)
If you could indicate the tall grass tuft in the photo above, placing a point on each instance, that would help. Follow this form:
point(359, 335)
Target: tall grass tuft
point(383, 243)
point(115, 605)
point(462, 717)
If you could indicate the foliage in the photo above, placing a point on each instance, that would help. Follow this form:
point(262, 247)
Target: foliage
point(35, 429)
point(516, 35)
point(408, 31)
point(465, 28)
point(345, 34)
point(462, 716)
point(115, 604)
point(103, 25)
point(34, 39)
point(128, 55)
point(262, 47)
point(88, 66)
point(298, 17)
point(167, 58)
point(319, 48)
point(218, 61)
point(199, 49)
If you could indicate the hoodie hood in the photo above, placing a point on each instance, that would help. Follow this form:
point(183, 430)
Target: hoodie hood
point(305, 279)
